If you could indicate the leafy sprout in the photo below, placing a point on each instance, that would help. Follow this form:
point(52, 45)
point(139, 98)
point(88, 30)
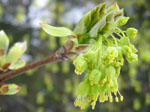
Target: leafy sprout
point(10, 60)
point(107, 46)
point(99, 29)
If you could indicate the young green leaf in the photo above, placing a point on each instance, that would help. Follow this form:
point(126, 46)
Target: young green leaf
point(81, 27)
point(97, 27)
point(90, 19)
point(16, 52)
point(17, 64)
point(57, 31)
point(4, 42)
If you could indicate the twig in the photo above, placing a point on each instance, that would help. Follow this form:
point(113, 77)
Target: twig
point(63, 53)
point(28, 67)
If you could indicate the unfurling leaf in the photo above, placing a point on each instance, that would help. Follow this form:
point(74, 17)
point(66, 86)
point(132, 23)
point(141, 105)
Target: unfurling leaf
point(57, 31)
point(90, 19)
point(99, 25)
point(17, 64)
point(4, 42)
point(9, 89)
point(16, 52)
point(10, 59)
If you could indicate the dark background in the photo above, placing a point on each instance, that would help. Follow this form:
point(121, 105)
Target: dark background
point(51, 88)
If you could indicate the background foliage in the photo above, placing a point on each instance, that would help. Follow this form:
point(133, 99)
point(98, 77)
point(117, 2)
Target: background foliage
point(51, 88)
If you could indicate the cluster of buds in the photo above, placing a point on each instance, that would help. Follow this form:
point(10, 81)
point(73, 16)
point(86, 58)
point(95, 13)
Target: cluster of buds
point(10, 60)
point(102, 62)
point(8, 89)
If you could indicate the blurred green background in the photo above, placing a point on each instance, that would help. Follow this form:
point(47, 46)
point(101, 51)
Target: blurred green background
point(51, 88)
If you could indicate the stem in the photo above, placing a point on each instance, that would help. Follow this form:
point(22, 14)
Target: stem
point(28, 67)
point(114, 39)
point(63, 53)
point(118, 34)
point(121, 32)
point(99, 51)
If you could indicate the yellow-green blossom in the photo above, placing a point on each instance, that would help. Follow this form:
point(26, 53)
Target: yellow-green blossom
point(105, 56)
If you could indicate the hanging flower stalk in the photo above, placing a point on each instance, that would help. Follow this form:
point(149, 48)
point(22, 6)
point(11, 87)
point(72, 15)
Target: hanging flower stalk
point(102, 62)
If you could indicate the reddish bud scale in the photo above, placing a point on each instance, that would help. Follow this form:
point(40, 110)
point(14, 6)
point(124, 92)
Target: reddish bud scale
point(2, 52)
point(3, 88)
point(5, 67)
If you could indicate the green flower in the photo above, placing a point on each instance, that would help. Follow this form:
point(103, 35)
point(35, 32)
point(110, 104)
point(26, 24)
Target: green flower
point(131, 32)
point(83, 89)
point(80, 65)
point(103, 59)
point(110, 54)
point(132, 58)
point(94, 76)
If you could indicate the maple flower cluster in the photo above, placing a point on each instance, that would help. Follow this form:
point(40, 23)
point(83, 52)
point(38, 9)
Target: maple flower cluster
point(108, 44)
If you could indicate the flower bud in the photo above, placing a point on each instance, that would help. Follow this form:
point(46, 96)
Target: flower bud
point(122, 21)
point(133, 49)
point(83, 89)
point(124, 41)
point(78, 101)
point(132, 58)
point(89, 56)
point(83, 105)
point(131, 32)
point(90, 59)
point(94, 91)
point(94, 76)
point(127, 51)
point(80, 64)
point(110, 71)
point(110, 54)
